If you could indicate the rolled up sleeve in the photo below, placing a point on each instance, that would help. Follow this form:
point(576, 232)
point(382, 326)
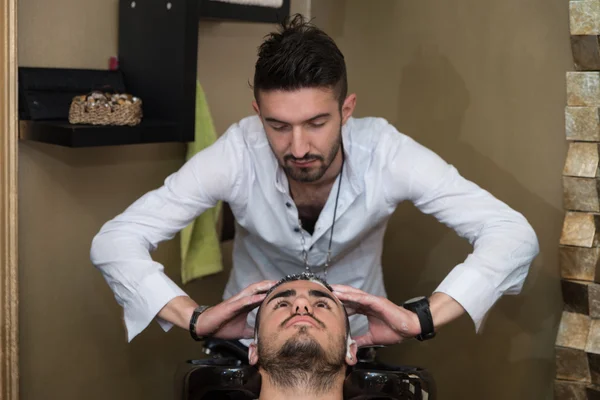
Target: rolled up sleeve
point(504, 243)
point(121, 250)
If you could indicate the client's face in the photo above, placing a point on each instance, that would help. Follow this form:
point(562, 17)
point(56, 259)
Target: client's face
point(304, 324)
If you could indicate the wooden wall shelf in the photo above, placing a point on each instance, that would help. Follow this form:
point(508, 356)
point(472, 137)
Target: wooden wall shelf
point(64, 134)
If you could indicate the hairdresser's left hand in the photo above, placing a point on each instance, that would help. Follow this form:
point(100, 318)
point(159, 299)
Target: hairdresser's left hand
point(388, 322)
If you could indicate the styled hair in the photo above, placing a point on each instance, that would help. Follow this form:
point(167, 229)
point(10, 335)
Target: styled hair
point(300, 55)
point(305, 276)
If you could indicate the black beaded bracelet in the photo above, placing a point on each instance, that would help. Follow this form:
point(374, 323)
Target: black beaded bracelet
point(195, 315)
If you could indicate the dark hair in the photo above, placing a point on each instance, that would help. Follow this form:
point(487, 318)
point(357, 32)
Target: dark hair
point(298, 56)
point(305, 276)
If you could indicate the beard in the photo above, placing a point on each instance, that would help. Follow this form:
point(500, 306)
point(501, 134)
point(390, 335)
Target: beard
point(302, 363)
point(311, 174)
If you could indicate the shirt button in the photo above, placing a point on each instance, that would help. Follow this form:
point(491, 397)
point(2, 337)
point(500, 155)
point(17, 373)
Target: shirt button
point(288, 204)
point(296, 229)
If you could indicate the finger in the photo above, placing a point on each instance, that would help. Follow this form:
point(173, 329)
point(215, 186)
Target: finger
point(346, 289)
point(264, 286)
point(346, 295)
point(349, 304)
point(245, 304)
point(250, 290)
point(351, 311)
point(363, 303)
point(242, 305)
point(339, 288)
point(258, 287)
point(254, 300)
point(353, 308)
point(248, 332)
point(362, 341)
point(362, 299)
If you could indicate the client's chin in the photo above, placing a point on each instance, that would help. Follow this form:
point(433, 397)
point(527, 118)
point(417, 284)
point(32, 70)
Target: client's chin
point(303, 362)
point(302, 344)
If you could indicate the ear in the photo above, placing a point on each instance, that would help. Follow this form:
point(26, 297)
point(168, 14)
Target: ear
point(348, 107)
point(351, 350)
point(255, 106)
point(253, 353)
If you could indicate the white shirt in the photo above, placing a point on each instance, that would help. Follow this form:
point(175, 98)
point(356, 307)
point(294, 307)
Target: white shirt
point(382, 169)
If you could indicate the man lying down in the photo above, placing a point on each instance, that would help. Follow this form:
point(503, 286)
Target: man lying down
point(302, 341)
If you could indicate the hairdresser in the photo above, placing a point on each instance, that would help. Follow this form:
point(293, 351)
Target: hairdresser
point(312, 189)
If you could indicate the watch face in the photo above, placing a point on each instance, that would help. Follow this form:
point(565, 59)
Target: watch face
point(414, 300)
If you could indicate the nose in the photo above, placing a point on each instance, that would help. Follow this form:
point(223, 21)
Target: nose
point(302, 306)
point(299, 145)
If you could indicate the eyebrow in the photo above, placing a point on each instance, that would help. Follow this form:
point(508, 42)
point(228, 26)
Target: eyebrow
point(285, 293)
point(319, 293)
point(270, 119)
point(292, 292)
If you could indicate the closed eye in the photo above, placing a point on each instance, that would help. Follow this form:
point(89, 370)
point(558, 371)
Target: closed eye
point(317, 125)
point(280, 128)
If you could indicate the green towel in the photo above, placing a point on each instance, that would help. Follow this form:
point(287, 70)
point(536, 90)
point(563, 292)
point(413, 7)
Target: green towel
point(200, 245)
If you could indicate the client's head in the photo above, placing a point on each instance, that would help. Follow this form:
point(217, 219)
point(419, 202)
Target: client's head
point(302, 333)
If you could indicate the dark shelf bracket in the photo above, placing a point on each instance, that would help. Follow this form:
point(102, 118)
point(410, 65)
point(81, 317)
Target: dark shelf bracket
point(210, 9)
point(158, 53)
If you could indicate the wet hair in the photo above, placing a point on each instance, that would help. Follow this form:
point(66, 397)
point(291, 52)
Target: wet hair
point(305, 276)
point(300, 55)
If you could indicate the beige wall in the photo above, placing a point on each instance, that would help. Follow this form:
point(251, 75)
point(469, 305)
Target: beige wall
point(72, 339)
point(482, 84)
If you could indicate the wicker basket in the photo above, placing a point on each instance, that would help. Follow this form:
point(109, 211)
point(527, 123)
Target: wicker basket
point(99, 108)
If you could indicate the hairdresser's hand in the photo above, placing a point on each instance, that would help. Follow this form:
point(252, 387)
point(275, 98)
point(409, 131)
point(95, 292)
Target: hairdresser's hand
point(227, 320)
point(388, 323)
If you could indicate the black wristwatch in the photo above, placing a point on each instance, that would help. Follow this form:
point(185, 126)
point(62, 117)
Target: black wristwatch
point(194, 319)
point(420, 306)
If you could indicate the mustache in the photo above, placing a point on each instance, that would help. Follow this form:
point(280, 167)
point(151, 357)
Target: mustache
point(308, 157)
point(321, 324)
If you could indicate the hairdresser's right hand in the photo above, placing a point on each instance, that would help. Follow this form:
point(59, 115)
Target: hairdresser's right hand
point(227, 320)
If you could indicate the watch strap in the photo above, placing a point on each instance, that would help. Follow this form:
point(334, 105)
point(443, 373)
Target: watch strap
point(421, 308)
point(199, 310)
